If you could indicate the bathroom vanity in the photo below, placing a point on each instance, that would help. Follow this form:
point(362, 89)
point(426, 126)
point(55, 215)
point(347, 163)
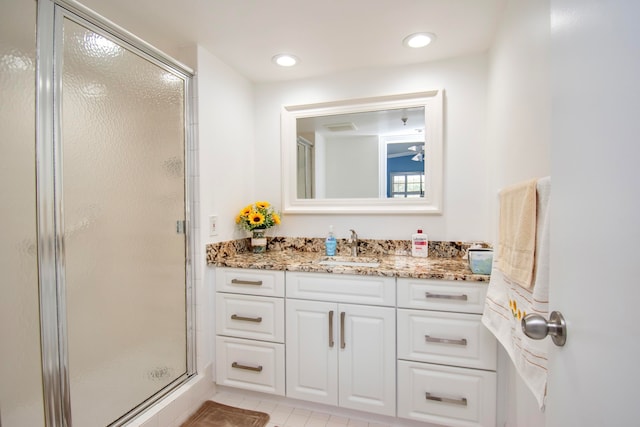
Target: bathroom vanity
point(402, 339)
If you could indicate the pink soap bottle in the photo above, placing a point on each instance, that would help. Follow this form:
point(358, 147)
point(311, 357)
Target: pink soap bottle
point(419, 245)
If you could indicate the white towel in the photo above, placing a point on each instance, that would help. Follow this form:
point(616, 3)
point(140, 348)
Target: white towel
point(507, 303)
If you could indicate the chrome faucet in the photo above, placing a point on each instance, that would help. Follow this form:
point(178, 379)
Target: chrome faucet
point(353, 242)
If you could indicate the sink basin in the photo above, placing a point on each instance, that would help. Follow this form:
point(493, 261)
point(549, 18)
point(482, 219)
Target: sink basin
point(350, 261)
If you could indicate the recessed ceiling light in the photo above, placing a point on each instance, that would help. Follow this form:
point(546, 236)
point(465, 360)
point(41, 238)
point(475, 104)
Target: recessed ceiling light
point(417, 40)
point(285, 60)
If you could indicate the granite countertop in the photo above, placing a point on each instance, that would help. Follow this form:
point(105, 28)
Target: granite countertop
point(391, 265)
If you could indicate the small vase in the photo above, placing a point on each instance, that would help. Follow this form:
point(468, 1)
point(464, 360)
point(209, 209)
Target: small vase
point(259, 240)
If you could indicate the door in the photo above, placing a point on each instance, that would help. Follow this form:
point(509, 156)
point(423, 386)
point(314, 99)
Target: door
point(123, 189)
point(312, 345)
point(595, 213)
point(112, 193)
point(367, 358)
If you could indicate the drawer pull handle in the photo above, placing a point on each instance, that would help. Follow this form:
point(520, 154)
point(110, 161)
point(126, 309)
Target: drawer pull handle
point(343, 344)
point(246, 282)
point(462, 297)
point(248, 319)
point(461, 341)
point(462, 401)
point(248, 368)
point(331, 343)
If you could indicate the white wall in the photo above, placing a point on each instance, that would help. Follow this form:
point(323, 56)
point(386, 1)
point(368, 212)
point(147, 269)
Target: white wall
point(466, 204)
point(341, 153)
point(518, 123)
point(226, 138)
point(224, 103)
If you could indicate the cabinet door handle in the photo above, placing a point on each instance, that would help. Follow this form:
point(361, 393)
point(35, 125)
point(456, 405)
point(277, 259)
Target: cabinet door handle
point(246, 282)
point(248, 368)
point(342, 343)
point(461, 341)
point(247, 319)
point(462, 401)
point(331, 329)
point(462, 297)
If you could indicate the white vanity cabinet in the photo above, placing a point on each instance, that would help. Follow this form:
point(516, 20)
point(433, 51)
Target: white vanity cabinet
point(446, 358)
point(250, 328)
point(340, 340)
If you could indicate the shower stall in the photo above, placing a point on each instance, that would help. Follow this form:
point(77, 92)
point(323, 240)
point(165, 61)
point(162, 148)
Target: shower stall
point(96, 297)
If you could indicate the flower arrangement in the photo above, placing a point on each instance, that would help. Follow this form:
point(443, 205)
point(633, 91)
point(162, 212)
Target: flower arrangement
point(259, 215)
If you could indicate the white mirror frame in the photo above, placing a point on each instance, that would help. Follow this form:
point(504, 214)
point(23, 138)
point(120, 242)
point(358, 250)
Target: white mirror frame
point(432, 102)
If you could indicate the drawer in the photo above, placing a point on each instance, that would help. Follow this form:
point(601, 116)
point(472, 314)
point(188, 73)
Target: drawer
point(444, 395)
point(458, 339)
point(247, 281)
point(251, 365)
point(462, 297)
point(248, 316)
point(345, 288)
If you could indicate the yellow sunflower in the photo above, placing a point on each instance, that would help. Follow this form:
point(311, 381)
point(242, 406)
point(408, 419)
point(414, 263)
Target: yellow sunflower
point(260, 214)
point(256, 218)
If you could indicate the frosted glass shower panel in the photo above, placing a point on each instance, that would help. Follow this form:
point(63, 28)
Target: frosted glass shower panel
point(21, 402)
point(123, 190)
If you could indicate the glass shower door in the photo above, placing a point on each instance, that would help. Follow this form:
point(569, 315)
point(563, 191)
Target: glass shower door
point(121, 187)
point(21, 401)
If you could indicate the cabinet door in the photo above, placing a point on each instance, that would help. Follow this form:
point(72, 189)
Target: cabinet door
point(312, 351)
point(367, 374)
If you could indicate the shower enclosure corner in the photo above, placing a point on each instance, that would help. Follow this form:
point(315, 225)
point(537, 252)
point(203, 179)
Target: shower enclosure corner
point(106, 231)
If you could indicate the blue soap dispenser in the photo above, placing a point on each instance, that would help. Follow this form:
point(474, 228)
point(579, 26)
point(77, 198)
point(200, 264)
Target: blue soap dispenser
point(330, 243)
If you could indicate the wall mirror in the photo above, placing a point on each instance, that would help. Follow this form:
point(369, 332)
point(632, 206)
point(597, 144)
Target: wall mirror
point(373, 155)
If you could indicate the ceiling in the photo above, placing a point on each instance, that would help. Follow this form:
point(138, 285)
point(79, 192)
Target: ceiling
point(401, 121)
point(327, 35)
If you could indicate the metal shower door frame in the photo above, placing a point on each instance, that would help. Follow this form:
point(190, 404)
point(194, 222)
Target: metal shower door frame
point(55, 359)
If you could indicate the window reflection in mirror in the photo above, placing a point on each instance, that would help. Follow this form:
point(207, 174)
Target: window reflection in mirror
point(405, 166)
point(373, 154)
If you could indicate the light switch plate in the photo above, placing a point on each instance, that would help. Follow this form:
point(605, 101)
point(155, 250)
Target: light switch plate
point(213, 225)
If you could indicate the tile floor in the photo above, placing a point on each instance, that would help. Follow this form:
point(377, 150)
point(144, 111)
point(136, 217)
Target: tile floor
point(283, 415)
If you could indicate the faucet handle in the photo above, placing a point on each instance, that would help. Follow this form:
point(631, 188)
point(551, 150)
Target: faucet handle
point(353, 240)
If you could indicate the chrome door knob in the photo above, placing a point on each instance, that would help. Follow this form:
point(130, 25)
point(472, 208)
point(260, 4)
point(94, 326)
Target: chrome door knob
point(536, 327)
